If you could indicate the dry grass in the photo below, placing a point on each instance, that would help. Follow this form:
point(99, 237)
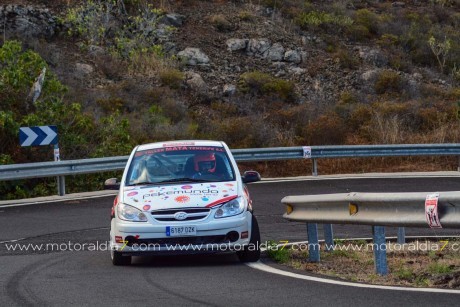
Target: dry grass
point(416, 264)
point(353, 166)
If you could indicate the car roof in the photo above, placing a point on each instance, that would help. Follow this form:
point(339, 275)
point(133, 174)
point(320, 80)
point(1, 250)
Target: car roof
point(180, 143)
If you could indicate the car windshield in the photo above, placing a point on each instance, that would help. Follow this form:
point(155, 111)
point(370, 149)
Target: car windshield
point(180, 164)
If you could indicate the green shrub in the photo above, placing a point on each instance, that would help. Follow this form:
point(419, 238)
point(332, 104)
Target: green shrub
point(387, 40)
point(106, 22)
point(280, 254)
point(264, 84)
point(368, 19)
point(346, 60)
point(404, 273)
point(439, 268)
point(246, 16)
point(221, 23)
point(316, 19)
point(358, 32)
point(346, 97)
point(388, 81)
point(172, 78)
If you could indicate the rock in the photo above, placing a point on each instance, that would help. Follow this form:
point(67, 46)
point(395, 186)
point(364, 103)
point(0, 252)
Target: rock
point(297, 71)
point(175, 20)
point(258, 47)
point(279, 65)
point(27, 22)
point(370, 75)
point(373, 56)
point(193, 56)
point(96, 51)
point(82, 70)
point(169, 48)
point(229, 90)
point(398, 4)
point(413, 88)
point(280, 73)
point(235, 44)
point(304, 56)
point(195, 82)
point(276, 52)
point(292, 56)
point(305, 40)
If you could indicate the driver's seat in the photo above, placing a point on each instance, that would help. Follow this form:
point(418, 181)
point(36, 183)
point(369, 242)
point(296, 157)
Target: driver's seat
point(189, 168)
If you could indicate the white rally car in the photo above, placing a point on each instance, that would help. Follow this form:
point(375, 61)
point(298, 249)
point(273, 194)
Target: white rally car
point(183, 197)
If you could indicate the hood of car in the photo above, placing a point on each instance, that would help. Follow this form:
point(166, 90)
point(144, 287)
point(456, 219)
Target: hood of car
point(148, 198)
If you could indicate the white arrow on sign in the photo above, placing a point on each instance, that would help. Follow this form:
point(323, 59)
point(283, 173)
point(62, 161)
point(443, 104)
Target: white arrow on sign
point(31, 136)
point(51, 135)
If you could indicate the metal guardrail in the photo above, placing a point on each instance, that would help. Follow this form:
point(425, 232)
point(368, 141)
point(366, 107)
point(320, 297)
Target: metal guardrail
point(383, 209)
point(375, 209)
point(87, 166)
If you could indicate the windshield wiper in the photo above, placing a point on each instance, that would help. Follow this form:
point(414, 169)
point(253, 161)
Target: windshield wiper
point(141, 183)
point(185, 179)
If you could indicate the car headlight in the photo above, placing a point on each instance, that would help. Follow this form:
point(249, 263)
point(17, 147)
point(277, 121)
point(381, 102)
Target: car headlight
point(231, 208)
point(129, 213)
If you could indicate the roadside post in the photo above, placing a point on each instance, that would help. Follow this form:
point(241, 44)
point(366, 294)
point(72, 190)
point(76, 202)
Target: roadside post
point(313, 242)
point(380, 250)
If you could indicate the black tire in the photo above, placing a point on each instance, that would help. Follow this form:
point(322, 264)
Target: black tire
point(119, 259)
point(251, 253)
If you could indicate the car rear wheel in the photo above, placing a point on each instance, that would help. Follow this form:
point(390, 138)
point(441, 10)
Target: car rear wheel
point(251, 252)
point(119, 259)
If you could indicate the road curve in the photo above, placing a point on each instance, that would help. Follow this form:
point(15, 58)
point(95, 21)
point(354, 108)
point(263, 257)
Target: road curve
point(88, 277)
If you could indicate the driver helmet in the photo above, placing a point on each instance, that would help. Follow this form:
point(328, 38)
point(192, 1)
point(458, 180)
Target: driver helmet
point(205, 162)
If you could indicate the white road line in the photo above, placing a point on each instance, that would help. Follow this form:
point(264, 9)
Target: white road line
point(12, 241)
point(265, 268)
point(56, 200)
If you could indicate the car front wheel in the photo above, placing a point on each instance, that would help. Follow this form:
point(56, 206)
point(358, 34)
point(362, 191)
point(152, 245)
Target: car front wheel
point(251, 252)
point(119, 259)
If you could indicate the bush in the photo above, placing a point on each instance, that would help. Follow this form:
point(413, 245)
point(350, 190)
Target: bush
point(315, 19)
point(264, 84)
point(368, 19)
point(246, 16)
point(221, 23)
point(328, 129)
point(388, 81)
point(358, 33)
point(172, 78)
point(106, 22)
point(346, 60)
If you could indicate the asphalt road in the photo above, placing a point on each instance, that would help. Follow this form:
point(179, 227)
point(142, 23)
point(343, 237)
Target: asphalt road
point(88, 277)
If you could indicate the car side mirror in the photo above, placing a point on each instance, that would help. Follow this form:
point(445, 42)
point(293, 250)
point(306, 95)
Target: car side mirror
point(250, 176)
point(112, 184)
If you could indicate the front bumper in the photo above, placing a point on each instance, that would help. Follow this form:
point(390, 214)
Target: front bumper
point(212, 236)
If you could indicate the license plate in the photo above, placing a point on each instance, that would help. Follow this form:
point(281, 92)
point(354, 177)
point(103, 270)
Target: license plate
point(176, 231)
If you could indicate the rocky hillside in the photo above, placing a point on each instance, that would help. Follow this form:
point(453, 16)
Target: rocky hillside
point(252, 73)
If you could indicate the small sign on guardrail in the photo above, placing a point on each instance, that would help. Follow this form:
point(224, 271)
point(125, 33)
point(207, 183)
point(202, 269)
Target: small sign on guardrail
point(306, 152)
point(431, 210)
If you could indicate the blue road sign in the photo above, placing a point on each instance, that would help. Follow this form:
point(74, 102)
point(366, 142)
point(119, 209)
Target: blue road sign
point(36, 136)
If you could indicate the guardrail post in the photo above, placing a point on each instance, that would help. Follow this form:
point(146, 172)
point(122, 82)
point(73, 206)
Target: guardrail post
point(61, 185)
point(380, 250)
point(401, 235)
point(313, 242)
point(315, 167)
point(328, 236)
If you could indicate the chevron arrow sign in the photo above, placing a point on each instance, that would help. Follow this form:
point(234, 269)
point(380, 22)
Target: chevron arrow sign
point(36, 136)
